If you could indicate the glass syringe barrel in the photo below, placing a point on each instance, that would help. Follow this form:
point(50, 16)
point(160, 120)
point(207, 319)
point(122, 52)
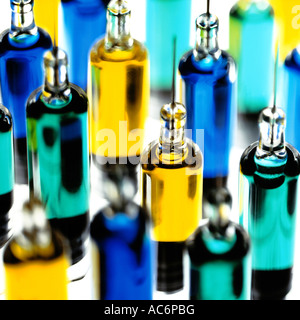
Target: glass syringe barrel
point(21, 71)
point(7, 169)
point(269, 175)
point(208, 90)
point(219, 252)
point(46, 16)
point(291, 95)
point(83, 22)
point(57, 123)
point(164, 21)
point(35, 259)
point(172, 194)
point(122, 256)
point(120, 232)
point(287, 22)
point(172, 179)
point(118, 90)
point(251, 45)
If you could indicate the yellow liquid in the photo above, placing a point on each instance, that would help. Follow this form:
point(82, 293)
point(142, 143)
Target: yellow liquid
point(46, 16)
point(37, 280)
point(172, 194)
point(119, 92)
point(287, 17)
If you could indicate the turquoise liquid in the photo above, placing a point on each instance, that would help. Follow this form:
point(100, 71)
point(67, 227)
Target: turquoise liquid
point(251, 45)
point(268, 204)
point(166, 19)
point(272, 226)
point(58, 164)
point(6, 162)
point(291, 98)
point(7, 172)
point(58, 152)
point(220, 264)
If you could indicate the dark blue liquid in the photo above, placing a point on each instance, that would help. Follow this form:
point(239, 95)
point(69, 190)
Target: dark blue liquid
point(83, 23)
point(125, 260)
point(209, 96)
point(21, 72)
point(7, 175)
point(292, 97)
point(268, 207)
